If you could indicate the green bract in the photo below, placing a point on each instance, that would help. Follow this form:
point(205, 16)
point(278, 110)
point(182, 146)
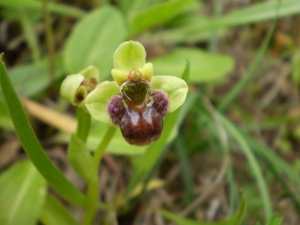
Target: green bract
point(76, 87)
point(130, 56)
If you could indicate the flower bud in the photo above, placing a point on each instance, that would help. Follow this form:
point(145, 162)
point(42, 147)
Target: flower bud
point(76, 87)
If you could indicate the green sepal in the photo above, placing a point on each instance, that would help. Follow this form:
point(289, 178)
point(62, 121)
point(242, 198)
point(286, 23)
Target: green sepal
point(69, 87)
point(81, 159)
point(175, 87)
point(96, 101)
point(90, 72)
point(129, 55)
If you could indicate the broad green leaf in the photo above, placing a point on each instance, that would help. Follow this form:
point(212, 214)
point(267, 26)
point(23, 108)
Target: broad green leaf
point(31, 145)
point(175, 87)
point(195, 27)
point(32, 78)
point(22, 194)
point(94, 40)
point(96, 101)
point(205, 67)
point(265, 10)
point(54, 213)
point(274, 220)
point(236, 220)
point(184, 29)
point(53, 7)
point(157, 14)
point(261, 11)
point(81, 159)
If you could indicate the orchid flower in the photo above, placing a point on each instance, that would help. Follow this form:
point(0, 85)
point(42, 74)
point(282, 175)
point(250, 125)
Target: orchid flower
point(136, 100)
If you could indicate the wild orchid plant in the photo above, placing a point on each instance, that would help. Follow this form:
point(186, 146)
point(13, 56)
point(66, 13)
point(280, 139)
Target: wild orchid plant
point(137, 101)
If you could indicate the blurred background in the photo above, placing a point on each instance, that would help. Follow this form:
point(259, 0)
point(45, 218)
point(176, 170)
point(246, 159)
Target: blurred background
point(238, 133)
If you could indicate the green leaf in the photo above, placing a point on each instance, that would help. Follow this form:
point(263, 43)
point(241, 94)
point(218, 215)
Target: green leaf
point(157, 14)
point(175, 87)
point(260, 12)
point(96, 101)
point(94, 40)
point(265, 10)
point(205, 67)
point(54, 213)
point(274, 220)
point(253, 163)
point(22, 194)
point(81, 159)
point(31, 145)
point(53, 7)
point(5, 121)
point(236, 220)
point(184, 29)
point(32, 78)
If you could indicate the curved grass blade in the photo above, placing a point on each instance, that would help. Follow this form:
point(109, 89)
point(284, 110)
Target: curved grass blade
point(31, 145)
point(256, 170)
point(236, 220)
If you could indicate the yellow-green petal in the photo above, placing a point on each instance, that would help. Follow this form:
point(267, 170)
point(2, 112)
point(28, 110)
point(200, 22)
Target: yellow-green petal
point(119, 76)
point(96, 101)
point(175, 87)
point(147, 71)
point(69, 87)
point(129, 55)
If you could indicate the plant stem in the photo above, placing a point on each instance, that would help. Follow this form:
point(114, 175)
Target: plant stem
point(83, 124)
point(103, 144)
point(93, 185)
point(93, 195)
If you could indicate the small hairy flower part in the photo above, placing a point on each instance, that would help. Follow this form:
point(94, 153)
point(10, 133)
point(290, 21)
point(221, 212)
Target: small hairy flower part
point(143, 127)
point(160, 101)
point(116, 109)
point(142, 124)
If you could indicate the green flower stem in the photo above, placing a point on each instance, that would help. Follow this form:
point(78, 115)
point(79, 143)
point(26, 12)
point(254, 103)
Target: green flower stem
point(103, 144)
point(93, 185)
point(83, 124)
point(93, 195)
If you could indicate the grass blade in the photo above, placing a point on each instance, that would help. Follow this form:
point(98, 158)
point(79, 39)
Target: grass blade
point(256, 170)
point(31, 145)
point(236, 220)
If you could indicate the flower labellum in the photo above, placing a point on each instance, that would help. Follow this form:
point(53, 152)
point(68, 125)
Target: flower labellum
point(138, 111)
